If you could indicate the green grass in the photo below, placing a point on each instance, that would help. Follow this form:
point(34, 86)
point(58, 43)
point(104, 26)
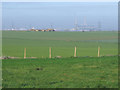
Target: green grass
point(62, 43)
point(81, 72)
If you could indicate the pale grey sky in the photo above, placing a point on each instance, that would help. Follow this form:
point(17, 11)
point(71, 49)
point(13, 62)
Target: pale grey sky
point(59, 14)
point(60, 0)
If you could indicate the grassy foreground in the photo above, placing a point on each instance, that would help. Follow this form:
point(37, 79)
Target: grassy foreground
point(80, 72)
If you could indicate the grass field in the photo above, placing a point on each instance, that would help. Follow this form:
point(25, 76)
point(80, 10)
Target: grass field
point(61, 73)
point(65, 72)
point(62, 43)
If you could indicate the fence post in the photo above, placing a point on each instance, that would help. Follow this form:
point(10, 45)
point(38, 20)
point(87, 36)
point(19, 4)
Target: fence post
point(50, 52)
point(25, 53)
point(75, 52)
point(98, 51)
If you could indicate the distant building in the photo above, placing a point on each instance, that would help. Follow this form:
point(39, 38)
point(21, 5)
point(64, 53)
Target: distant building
point(44, 30)
point(84, 27)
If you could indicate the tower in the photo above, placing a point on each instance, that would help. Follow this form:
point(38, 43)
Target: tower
point(76, 24)
point(84, 25)
point(99, 26)
point(85, 22)
point(12, 26)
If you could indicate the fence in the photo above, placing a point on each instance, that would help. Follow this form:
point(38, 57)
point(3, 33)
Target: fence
point(75, 52)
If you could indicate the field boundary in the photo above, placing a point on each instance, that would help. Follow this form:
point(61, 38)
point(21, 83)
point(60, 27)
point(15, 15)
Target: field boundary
point(5, 57)
point(50, 55)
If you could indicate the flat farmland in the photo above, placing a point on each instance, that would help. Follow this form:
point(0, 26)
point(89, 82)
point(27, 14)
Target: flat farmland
point(65, 72)
point(62, 43)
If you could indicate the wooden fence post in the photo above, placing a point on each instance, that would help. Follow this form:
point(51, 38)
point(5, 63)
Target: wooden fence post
point(50, 52)
point(25, 53)
point(75, 52)
point(98, 51)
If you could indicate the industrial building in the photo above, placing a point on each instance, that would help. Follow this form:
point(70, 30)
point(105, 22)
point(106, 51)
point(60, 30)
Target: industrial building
point(85, 27)
point(43, 30)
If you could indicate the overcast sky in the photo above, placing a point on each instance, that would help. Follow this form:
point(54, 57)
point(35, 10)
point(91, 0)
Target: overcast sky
point(59, 14)
point(60, 0)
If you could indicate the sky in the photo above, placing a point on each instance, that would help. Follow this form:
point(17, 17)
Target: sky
point(61, 15)
point(60, 0)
